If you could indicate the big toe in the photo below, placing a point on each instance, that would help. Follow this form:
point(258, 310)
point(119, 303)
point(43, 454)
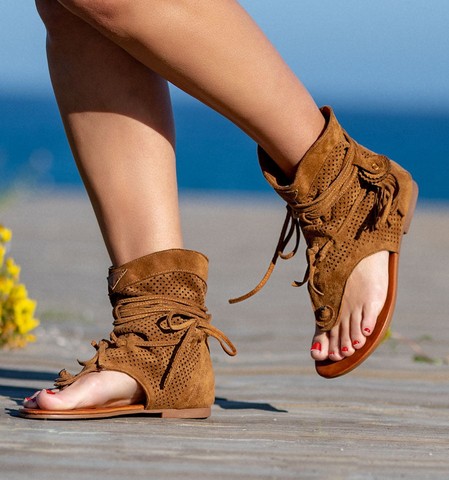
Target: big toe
point(45, 400)
point(320, 346)
point(51, 400)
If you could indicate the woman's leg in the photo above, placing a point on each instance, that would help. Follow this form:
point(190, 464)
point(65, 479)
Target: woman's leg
point(118, 119)
point(215, 52)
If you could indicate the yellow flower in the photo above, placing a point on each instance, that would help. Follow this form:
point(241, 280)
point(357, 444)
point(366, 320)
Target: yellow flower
point(5, 234)
point(12, 268)
point(23, 315)
point(18, 292)
point(16, 309)
point(6, 285)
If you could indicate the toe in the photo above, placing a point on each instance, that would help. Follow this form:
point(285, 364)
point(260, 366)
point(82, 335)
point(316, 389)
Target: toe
point(346, 347)
point(358, 339)
point(334, 345)
point(30, 402)
point(50, 400)
point(368, 321)
point(320, 346)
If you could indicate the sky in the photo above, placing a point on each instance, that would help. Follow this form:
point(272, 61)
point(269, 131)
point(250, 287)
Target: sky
point(382, 53)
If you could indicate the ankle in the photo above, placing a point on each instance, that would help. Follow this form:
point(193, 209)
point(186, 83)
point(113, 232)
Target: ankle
point(288, 157)
point(131, 250)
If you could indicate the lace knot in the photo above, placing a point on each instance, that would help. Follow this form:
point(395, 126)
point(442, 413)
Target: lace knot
point(173, 316)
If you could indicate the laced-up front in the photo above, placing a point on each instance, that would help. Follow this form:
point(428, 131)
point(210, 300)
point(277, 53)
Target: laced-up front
point(170, 316)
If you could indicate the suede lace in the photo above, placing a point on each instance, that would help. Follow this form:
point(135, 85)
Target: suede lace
point(290, 228)
point(172, 315)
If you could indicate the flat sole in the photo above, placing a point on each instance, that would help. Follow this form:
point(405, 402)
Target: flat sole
point(328, 368)
point(110, 412)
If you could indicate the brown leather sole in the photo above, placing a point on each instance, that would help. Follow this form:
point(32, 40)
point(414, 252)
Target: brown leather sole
point(109, 412)
point(328, 368)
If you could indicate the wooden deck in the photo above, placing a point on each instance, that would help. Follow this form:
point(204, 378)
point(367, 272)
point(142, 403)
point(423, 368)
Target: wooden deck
point(273, 418)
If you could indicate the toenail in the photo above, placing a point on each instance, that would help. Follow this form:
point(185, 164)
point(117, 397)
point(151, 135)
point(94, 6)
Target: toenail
point(355, 342)
point(367, 330)
point(50, 392)
point(345, 349)
point(27, 399)
point(331, 353)
point(316, 346)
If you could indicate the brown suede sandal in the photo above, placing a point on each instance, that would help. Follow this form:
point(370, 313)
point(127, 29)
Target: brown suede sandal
point(160, 339)
point(349, 203)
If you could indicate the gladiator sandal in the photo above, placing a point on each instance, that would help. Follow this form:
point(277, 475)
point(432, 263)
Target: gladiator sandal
point(160, 338)
point(349, 203)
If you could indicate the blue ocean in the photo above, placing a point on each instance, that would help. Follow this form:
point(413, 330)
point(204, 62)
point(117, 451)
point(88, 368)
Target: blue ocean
point(212, 153)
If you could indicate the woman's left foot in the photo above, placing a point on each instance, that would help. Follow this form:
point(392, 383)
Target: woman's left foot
point(363, 300)
point(352, 206)
point(93, 390)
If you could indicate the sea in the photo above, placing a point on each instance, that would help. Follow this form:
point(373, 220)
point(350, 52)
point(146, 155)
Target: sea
point(212, 153)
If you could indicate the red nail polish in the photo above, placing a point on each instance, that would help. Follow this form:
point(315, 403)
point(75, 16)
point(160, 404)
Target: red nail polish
point(355, 342)
point(345, 349)
point(367, 330)
point(27, 399)
point(50, 392)
point(331, 353)
point(316, 346)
